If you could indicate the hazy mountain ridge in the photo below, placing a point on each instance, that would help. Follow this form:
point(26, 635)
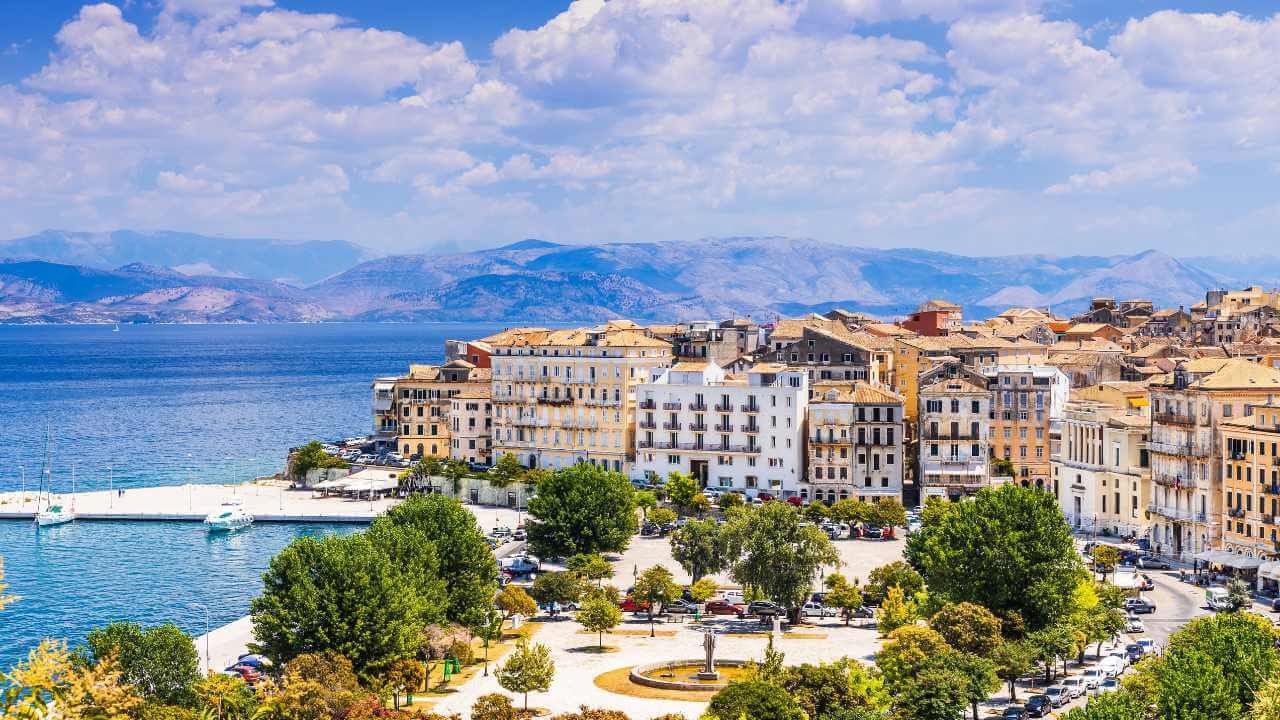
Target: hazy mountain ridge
point(539, 281)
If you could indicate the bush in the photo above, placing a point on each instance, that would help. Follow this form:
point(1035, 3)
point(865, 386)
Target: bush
point(754, 699)
point(493, 707)
point(312, 456)
point(462, 650)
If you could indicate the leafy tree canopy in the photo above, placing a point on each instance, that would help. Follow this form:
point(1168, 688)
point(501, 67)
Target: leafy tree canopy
point(582, 509)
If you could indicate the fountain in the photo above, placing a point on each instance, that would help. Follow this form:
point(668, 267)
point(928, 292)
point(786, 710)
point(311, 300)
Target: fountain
point(708, 671)
point(708, 674)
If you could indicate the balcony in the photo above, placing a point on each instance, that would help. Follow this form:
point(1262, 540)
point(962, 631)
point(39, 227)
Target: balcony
point(1168, 448)
point(750, 429)
point(580, 380)
point(1275, 459)
point(698, 427)
point(724, 427)
point(672, 425)
point(1268, 519)
point(724, 407)
point(698, 406)
point(648, 405)
point(967, 437)
point(672, 405)
point(750, 408)
point(1168, 418)
point(542, 400)
point(525, 421)
point(647, 425)
point(1235, 512)
point(602, 402)
point(579, 423)
point(1273, 488)
point(1174, 481)
point(1237, 455)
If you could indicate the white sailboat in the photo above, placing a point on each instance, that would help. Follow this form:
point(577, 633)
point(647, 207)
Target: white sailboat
point(53, 513)
point(230, 515)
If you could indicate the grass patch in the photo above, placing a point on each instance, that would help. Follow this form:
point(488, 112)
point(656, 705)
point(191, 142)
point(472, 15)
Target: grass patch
point(619, 681)
point(595, 649)
point(633, 633)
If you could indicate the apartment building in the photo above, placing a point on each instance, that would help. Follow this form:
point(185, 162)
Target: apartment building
point(955, 434)
point(1251, 483)
point(741, 432)
point(561, 397)
point(720, 343)
point(386, 424)
point(422, 401)
point(1102, 469)
point(832, 355)
point(471, 426)
point(855, 433)
point(1026, 402)
point(1187, 407)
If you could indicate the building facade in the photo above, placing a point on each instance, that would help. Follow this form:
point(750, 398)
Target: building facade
point(855, 433)
point(1102, 469)
point(741, 433)
point(954, 437)
point(1251, 483)
point(422, 402)
point(471, 426)
point(561, 397)
point(1026, 402)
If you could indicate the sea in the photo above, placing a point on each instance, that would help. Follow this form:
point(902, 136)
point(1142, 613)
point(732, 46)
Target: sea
point(166, 405)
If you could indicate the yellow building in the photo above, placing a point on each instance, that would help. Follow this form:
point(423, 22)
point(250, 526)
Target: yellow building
point(422, 403)
point(561, 397)
point(1251, 482)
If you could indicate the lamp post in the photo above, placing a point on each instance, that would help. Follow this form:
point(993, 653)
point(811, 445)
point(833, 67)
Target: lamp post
point(208, 659)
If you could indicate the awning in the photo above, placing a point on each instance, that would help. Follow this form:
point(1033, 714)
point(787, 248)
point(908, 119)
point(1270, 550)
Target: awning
point(1208, 556)
point(1241, 562)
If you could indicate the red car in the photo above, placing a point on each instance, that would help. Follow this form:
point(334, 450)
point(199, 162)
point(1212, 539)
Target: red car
point(724, 607)
point(765, 497)
point(630, 605)
point(795, 500)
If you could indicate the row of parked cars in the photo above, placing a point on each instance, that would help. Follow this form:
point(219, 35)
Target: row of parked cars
point(1102, 678)
point(248, 668)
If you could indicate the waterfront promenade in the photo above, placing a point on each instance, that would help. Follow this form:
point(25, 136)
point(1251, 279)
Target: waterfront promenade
point(265, 501)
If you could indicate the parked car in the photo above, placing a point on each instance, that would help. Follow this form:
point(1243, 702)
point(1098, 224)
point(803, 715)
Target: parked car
point(864, 612)
point(734, 596)
point(631, 605)
point(519, 535)
point(724, 607)
point(1038, 706)
point(1145, 582)
point(1139, 606)
point(1150, 562)
point(1109, 685)
point(1092, 678)
point(873, 532)
point(1058, 695)
point(1135, 626)
point(795, 500)
point(249, 674)
point(1134, 651)
point(813, 609)
point(1148, 646)
point(519, 565)
point(764, 609)
point(1014, 712)
point(678, 607)
point(1074, 687)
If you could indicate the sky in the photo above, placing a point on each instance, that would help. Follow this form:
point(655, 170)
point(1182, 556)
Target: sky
point(974, 126)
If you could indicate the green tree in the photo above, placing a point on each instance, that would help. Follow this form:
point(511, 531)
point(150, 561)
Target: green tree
point(680, 489)
point(554, 589)
point(455, 471)
point(849, 511)
point(599, 615)
point(906, 651)
point(936, 692)
point(703, 590)
point(968, 628)
point(646, 501)
point(1191, 685)
point(815, 512)
point(582, 509)
point(778, 554)
point(701, 548)
point(700, 505)
point(404, 677)
point(662, 516)
point(527, 669)
point(730, 500)
point(1009, 550)
point(160, 662)
point(896, 573)
point(1241, 645)
point(887, 512)
point(1105, 559)
point(756, 699)
point(1100, 623)
point(493, 707)
point(842, 595)
point(825, 690)
point(979, 675)
point(591, 567)
point(896, 611)
point(513, 600)
point(466, 564)
point(1266, 702)
point(230, 698)
point(1011, 660)
point(505, 471)
point(1110, 706)
point(314, 686)
point(366, 596)
point(310, 457)
point(657, 587)
point(1049, 644)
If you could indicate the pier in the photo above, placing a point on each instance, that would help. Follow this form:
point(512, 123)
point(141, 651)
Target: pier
point(191, 503)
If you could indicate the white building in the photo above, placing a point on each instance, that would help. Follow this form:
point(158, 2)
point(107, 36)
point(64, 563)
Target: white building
point(732, 432)
point(855, 443)
point(471, 425)
point(955, 434)
point(1102, 470)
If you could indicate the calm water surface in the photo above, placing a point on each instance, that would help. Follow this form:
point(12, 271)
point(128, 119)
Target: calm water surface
point(168, 405)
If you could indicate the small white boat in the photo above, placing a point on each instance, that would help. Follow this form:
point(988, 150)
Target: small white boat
point(54, 515)
point(230, 515)
point(116, 328)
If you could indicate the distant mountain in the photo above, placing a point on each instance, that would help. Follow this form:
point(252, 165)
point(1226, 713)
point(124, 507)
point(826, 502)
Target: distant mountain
point(539, 281)
point(1241, 271)
point(297, 263)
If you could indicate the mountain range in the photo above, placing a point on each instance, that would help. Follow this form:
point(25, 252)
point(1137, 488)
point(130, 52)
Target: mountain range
point(200, 279)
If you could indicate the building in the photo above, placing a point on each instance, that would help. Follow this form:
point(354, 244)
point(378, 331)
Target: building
point(386, 425)
point(930, 323)
point(855, 433)
point(834, 355)
point(954, 437)
point(1102, 470)
point(1187, 407)
point(1251, 483)
point(422, 402)
point(954, 314)
point(1026, 402)
point(742, 433)
point(720, 343)
point(561, 397)
point(471, 426)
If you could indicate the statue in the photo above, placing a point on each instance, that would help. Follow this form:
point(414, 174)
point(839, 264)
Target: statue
point(708, 671)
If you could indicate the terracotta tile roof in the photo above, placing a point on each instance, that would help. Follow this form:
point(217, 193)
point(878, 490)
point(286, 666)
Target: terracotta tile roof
point(1239, 374)
point(690, 366)
point(954, 385)
point(769, 367)
point(857, 393)
point(887, 330)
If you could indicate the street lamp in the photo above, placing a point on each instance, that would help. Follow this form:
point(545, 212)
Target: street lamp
point(208, 659)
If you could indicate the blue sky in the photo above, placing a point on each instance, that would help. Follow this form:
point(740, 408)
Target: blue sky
point(979, 126)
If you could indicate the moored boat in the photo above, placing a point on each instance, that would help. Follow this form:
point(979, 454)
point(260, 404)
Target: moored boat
point(230, 515)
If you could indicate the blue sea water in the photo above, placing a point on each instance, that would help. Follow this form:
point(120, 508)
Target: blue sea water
point(168, 404)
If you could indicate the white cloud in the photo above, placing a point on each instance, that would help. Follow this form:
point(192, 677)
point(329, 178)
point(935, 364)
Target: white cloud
point(1153, 172)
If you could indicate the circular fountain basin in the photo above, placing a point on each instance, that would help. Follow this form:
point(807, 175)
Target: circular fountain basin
point(685, 674)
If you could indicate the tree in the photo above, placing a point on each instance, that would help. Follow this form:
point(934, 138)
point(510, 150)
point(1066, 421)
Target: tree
point(228, 696)
point(160, 662)
point(404, 677)
point(646, 501)
point(310, 457)
point(937, 692)
point(1238, 595)
point(28, 688)
point(422, 473)
point(99, 692)
point(1012, 659)
point(826, 689)
point(466, 564)
point(1009, 550)
point(754, 699)
point(582, 509)
point(506, 471)
point(1048, 644)
point(849, 511)
point(1191, 685)
point(815, 512)
point(887, 512)
point(529, 668)
point(366, 596)
point(1101, 622)
point(512, 600)
point(906, 651)
point(1105, 559)
point(778, 554)
point(662, 516)
point(493, 707)
point(896, 611)
point(436, 644)
point(657, 587)
point(590, 567)
point(896, 573)
point(680, 489)
point(1240, 645)
point(1266, 703)
point(700, 546)
point(968, 628)
point(600, 615)
point(700, 505)
point(730, 500)
point(314, 686)
point(455, 471)
point(703, 590)
point(554, 589)
point(979, 675)
point(843, 595)
point(1110, 706)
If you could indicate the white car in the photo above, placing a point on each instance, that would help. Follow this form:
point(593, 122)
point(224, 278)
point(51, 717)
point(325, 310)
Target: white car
point(734, 596)
point(1135, 626)
point(1092, 678)
point(1074, 687)
point(813, 609)
point(1111, 666)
